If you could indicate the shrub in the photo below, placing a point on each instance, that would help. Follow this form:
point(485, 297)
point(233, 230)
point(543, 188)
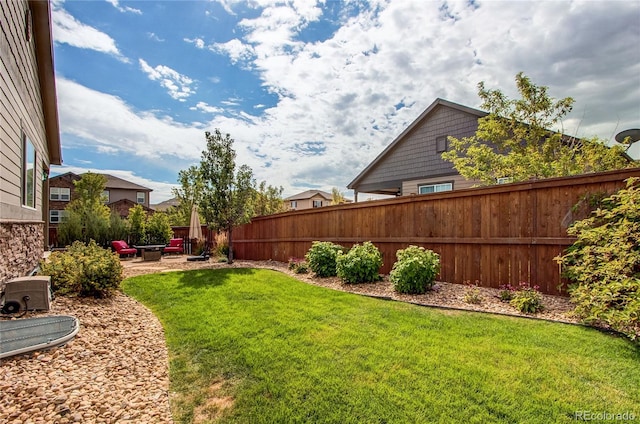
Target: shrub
point(299, 266)
point(222, 244)
point(527, 299)
point(507, 292)
point(604, 263)
point(472, 295)
point(415, 271)
point(84, 270)
point(321, 258)
point(158, 228)
point(360, 265)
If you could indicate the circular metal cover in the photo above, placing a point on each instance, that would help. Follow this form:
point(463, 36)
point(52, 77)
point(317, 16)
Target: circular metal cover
point(634, 135)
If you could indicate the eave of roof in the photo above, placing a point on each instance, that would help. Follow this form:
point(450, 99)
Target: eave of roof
point(309, 194)
point(41, 18)
point(437, 102)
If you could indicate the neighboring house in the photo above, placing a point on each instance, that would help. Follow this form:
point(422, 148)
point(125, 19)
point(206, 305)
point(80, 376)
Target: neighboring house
point(120, 195)
point(412, 163)
point(29, 133)
point(309, 199)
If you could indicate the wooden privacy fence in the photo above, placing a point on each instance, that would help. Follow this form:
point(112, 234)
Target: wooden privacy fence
point(497, 235)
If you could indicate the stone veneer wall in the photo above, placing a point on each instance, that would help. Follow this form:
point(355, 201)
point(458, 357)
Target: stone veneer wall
point(21, 248)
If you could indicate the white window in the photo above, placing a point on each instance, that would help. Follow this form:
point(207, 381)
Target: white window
point(435, 188)
point(140, 197)
point(317, 203)
point(106, 196)
point(294, 204)
point(61, 194)
point(56, 217)
point(505, 180)
point(28, 173)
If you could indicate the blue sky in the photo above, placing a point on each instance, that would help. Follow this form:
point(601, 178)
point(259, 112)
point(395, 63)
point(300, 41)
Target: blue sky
point(312, 91)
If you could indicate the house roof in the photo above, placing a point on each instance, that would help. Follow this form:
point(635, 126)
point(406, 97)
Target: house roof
point(112, 182)
point(309, 194)
point(115, 182)
point(423, 116)
point(41, 18)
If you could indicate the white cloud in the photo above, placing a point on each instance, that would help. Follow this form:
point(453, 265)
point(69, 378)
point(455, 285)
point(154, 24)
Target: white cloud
point(68, 30)
point(198, 42)
point(204, 107)
point(90, 116)
point(178, 86)
point(116, 4)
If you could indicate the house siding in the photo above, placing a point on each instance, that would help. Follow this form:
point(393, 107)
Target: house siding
point(416, 156)
point(22, 112)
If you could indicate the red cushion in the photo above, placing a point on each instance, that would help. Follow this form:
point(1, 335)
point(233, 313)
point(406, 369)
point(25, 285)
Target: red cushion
point(175, 242)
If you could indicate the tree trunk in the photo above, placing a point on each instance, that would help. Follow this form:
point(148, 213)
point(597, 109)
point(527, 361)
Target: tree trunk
point(230, 255)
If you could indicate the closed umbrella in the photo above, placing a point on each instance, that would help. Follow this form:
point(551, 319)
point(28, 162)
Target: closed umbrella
point(195, 229)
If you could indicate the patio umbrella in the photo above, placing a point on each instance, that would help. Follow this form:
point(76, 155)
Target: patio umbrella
point(195, 229)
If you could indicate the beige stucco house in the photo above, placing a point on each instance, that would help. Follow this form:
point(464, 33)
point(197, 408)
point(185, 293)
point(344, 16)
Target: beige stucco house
point(29, 133)
point(412, 163)
point(308, 199)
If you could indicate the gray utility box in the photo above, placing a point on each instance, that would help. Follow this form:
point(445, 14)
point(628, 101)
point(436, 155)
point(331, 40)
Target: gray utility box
point(37, 287)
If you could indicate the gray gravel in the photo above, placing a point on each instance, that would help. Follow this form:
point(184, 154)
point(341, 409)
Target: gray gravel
point(113, 371)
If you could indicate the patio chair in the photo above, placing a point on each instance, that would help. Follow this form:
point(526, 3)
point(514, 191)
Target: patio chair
point(174, 246)
point(122, 248)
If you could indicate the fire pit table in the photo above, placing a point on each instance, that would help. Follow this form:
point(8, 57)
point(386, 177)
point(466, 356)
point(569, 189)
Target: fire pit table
point(151, 252)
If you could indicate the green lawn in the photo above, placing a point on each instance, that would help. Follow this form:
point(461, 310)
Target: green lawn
point(289, 352)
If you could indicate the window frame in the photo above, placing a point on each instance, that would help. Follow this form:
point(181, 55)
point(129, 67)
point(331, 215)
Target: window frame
point(317, 202)
point(29, 164)
point(143, 197)
point(63, 194)
point(435, 187)
point(61, 216)
point(293, 204)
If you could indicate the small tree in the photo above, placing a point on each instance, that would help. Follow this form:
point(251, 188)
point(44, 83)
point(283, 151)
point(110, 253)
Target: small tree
point(158, 229)
point(137, 225)
point(88, 205)
point(267, 200)
point(226, 199)
point(515, 140)
point(118, 229)
point(337, 198)
point(188, 194)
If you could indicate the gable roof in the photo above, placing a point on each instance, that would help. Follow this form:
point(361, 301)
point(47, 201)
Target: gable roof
point(417, 122)
point(309, 194)
point(119, 183)
point(112, 182)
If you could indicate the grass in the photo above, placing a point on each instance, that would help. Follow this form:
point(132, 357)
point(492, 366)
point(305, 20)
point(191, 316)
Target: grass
point(257, 346)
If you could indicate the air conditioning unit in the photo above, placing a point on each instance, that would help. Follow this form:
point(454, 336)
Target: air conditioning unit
point(32, 293)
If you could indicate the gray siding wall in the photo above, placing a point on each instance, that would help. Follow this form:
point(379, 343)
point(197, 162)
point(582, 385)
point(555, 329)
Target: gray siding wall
point(415, 157)
point(20, 112)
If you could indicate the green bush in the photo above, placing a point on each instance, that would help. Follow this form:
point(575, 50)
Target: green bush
point(299, 266)
point(527, 299)
point(158, 228)
point(604, 263)
point(361, 264)
point(415, 271)
point(83, 270)
point(321, 258)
